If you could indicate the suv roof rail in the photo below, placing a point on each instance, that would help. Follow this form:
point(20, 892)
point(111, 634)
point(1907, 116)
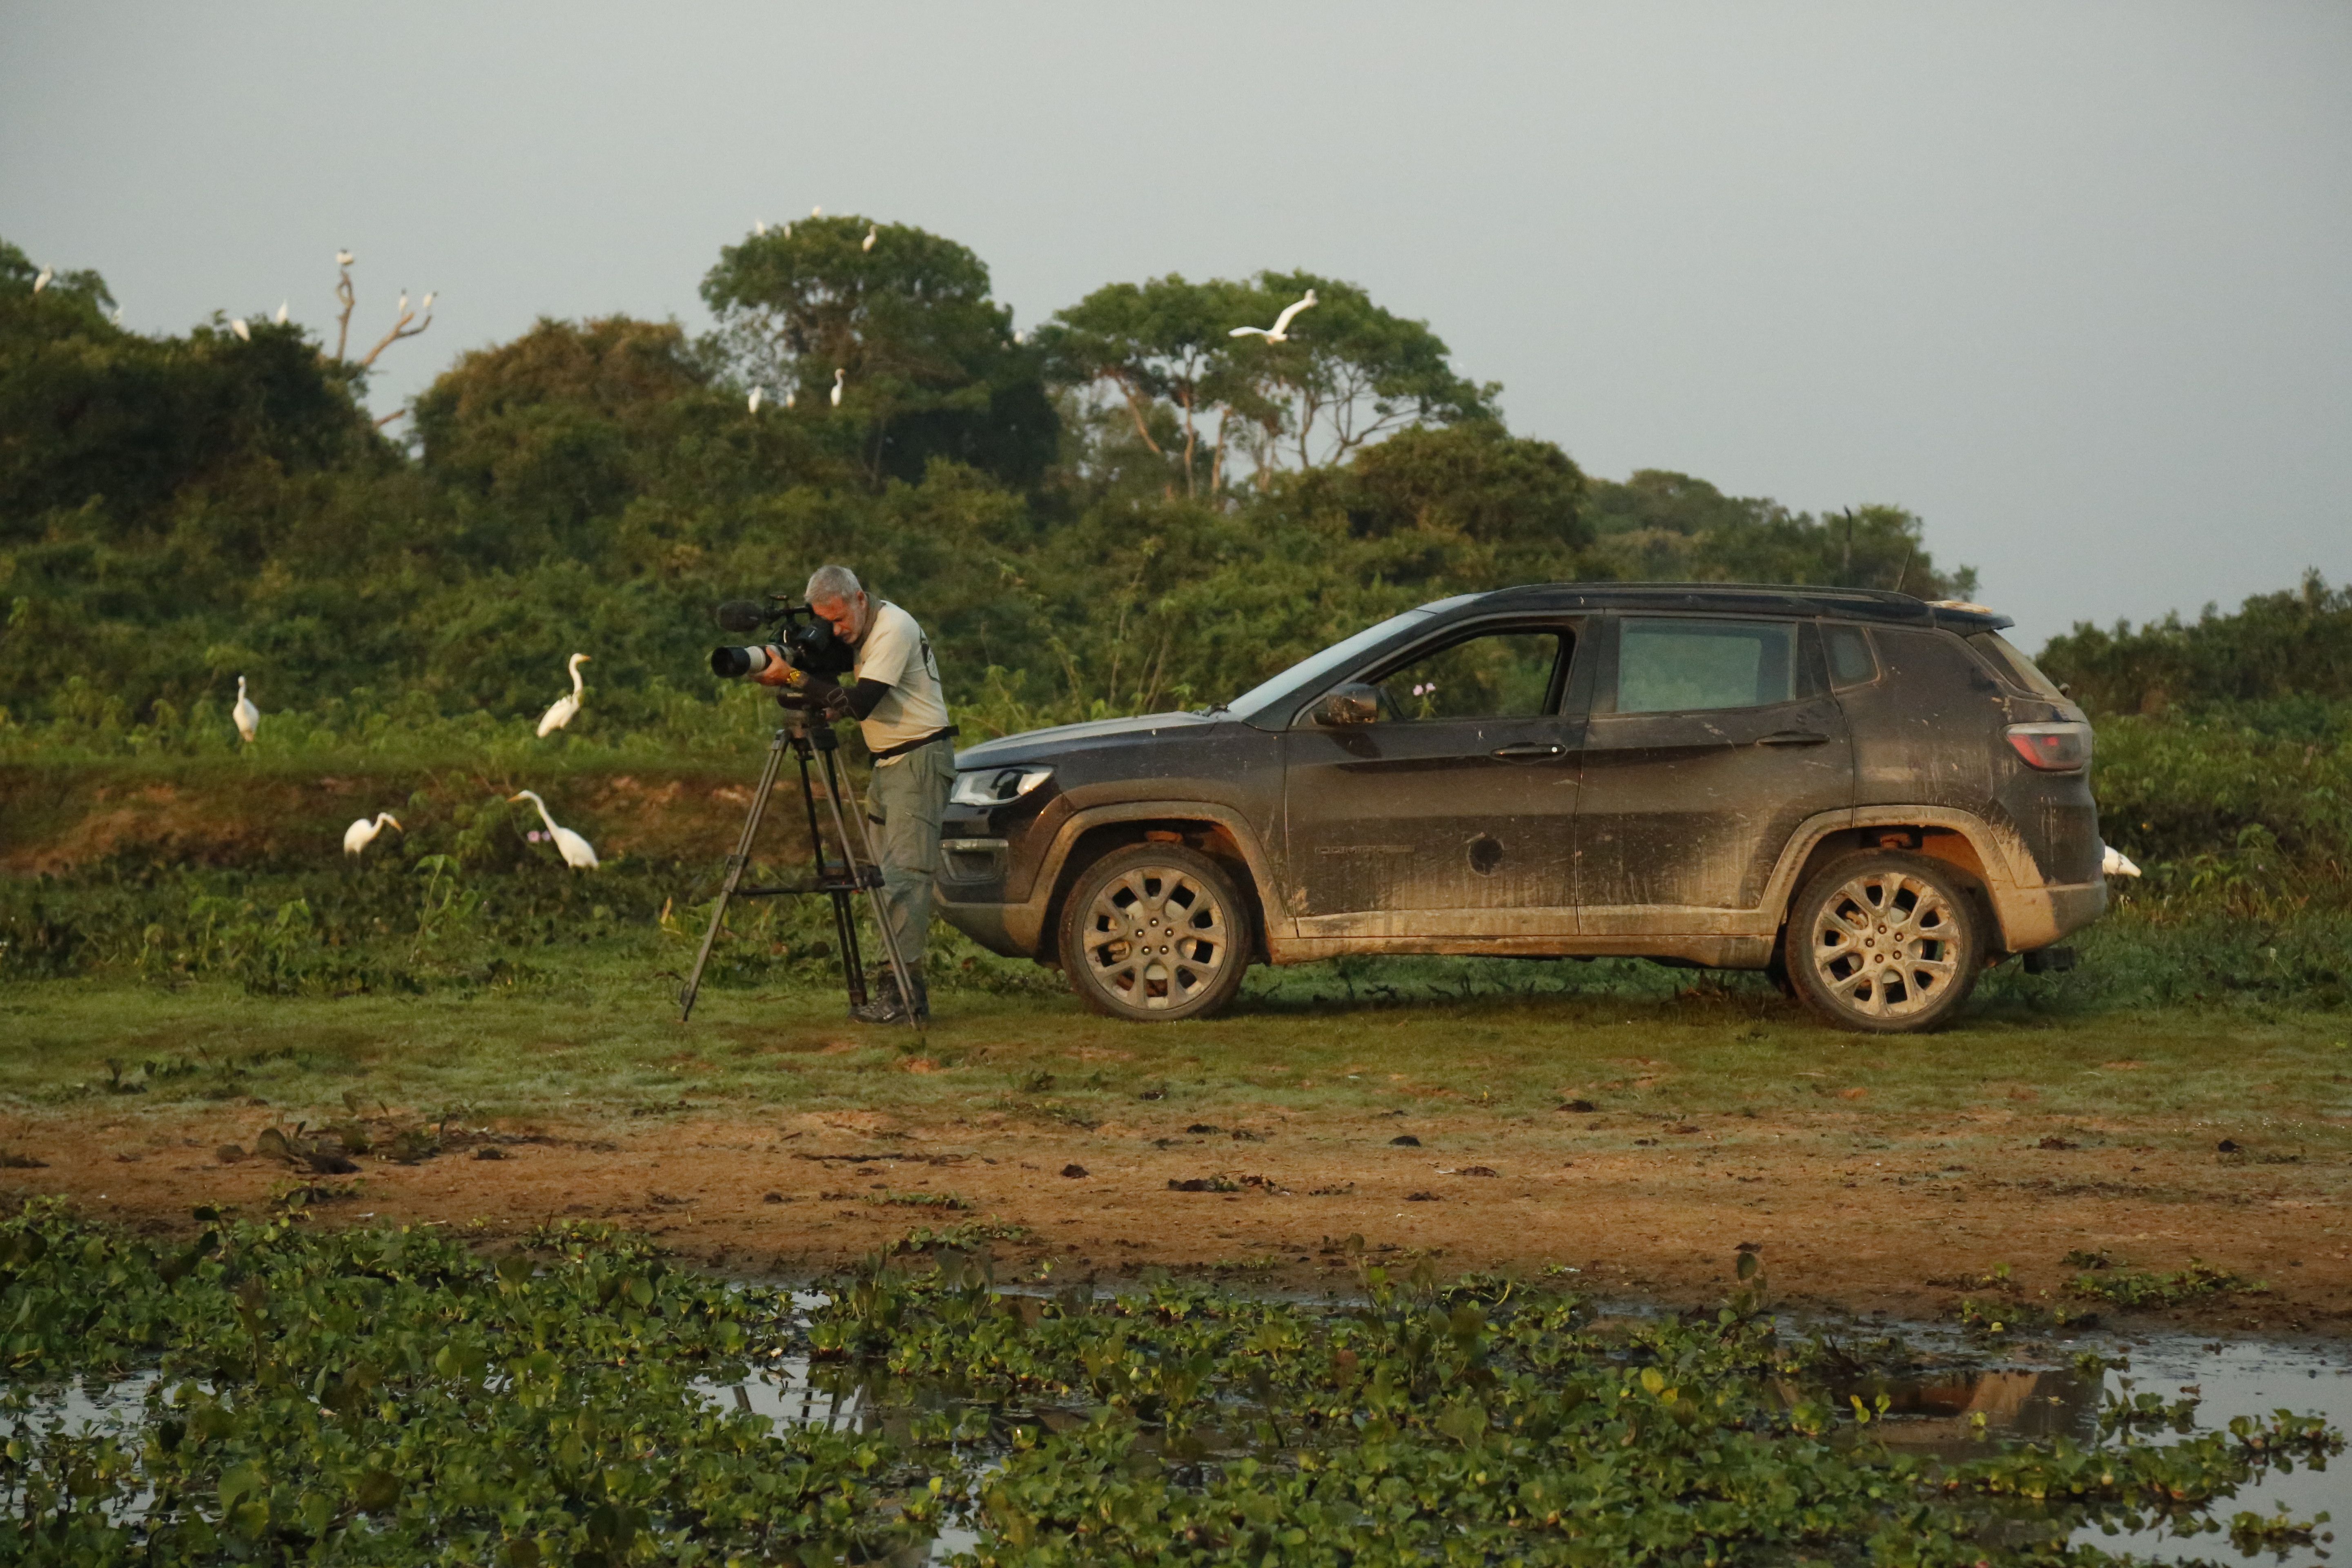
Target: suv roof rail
point(1873, 604)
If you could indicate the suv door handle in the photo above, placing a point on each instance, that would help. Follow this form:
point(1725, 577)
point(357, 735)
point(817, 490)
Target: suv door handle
point(1793, 738)
point(1526, 749)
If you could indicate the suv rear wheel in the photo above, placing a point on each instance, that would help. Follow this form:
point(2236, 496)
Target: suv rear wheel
point(1155, 932)
point(1886, 942)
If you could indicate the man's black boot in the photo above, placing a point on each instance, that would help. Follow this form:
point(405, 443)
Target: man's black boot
point(887, 1005)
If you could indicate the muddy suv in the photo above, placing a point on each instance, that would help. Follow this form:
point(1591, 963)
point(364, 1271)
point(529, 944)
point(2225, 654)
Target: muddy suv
point(1871, 798)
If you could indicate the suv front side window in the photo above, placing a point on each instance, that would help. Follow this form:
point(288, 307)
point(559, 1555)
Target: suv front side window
point(1690, 666)
point(1503, 675)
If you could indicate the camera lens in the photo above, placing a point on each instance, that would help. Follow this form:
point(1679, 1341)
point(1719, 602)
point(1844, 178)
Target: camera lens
point(734, 663)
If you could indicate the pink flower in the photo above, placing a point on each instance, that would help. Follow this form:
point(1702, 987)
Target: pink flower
point(536, 836)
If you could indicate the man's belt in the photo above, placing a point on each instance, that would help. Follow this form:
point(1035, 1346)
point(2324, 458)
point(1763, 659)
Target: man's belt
point(887, 752)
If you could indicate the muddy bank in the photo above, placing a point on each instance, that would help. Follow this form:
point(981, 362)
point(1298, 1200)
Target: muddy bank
point(1908, 1228)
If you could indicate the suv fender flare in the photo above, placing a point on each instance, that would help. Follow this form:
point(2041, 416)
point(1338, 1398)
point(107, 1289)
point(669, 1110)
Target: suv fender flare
point(1027, 923)
point(2027, 913)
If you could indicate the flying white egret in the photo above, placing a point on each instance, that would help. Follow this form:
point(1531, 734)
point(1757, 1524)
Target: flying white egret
point(2116, 863)
point(43, 280)
point(243, 333)
point(247, 717)
point(342, 259)
point(566, 707)
point(1280, 331)
point(867, 243)
point(757, 392)
point(838, 377)
point(360, 834)
point(577, 852)
point(281, 312)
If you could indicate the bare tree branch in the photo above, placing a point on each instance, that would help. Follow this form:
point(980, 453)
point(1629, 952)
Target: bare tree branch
point(400, 329)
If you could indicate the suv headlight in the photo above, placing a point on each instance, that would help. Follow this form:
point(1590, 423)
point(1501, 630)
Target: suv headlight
point(997, 787)
point(2058, 748)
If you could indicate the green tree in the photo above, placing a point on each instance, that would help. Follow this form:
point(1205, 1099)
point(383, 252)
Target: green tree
point(1163, 340)
point(926, 358)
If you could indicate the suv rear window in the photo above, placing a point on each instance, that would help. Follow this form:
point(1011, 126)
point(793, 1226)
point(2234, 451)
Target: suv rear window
point(1851, 661)
point(2019, 668)
point(1681, 666)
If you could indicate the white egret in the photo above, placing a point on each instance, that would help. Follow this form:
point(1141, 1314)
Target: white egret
point(790, 397)
point(1280, 331)
point(247, 717)
point(577, 852)
point(43, 280)
point(2116, 863)
point(838, 377)
point(757, 392)
point(342, 259)
point(118, 315)
point(243, 333)
point(816, 212)
point(566, 707)
point(401, 308)
point(429, 296)
point(788, 231)
point(760, 229)
point(281, 312)
point(867, 243)
point(360, 834)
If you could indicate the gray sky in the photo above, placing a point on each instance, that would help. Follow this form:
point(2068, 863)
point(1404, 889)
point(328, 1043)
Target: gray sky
point(2068, 280)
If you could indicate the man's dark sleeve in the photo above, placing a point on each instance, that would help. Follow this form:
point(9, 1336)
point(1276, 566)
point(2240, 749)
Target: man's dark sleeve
point(859, 700)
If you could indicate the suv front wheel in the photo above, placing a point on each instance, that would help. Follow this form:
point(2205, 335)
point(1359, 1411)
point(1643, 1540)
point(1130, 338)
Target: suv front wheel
point(1886, 942)
point(1155, 932)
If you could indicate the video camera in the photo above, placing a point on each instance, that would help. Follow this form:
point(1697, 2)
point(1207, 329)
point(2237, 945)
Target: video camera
point(799, 642)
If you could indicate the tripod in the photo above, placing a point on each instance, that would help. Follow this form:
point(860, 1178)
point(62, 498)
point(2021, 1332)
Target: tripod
point(840, 882)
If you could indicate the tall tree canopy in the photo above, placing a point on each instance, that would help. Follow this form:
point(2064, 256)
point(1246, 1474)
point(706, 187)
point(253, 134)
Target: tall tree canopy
point(928, 364)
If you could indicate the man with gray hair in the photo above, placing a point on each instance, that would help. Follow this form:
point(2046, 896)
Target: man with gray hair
point(894, 693)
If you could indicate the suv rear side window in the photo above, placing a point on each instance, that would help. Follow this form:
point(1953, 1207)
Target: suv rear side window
point(1681, 666)
point(2020, 670)
point(1503, 675)
point(1850, 660)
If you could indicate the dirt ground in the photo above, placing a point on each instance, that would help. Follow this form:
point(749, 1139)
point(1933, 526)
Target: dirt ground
point(1904, 1228)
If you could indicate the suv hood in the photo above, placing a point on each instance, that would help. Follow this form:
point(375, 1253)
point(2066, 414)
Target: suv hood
point(1046, 745)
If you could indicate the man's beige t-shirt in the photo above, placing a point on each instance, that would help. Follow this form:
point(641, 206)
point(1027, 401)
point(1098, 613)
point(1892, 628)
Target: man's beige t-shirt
point(895, 650)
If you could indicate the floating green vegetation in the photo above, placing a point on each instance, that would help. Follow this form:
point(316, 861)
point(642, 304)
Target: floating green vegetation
point(388, 1396)
point(2146, 1288)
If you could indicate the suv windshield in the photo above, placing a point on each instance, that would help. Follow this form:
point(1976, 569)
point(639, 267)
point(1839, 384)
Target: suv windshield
point(1307, 671)
point(2015, 664)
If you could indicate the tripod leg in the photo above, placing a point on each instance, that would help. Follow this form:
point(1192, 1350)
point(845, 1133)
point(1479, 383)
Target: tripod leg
point(736, 863)
point(874, 895)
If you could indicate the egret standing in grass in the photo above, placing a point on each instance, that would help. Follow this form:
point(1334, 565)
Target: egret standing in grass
point(247, 717)
point(568, 707)
point(361, 833)
point(1280, 331)
point(577, 852)
point(838, 377)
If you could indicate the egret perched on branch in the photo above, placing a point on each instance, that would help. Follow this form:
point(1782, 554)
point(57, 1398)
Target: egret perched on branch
point(430, 295)
point(577, 852)
point(816, 212)
point(342, 259)
point(791, 397)
point(43, 280)
point(757, 392)
point(566, 707)
point(838, 377)
point(247, 717)
point(1280, 331)
point(2116, 863)
point(243, 333)
point(871, 233)
point(360, 834)
point(281, 312)
point(760, 229)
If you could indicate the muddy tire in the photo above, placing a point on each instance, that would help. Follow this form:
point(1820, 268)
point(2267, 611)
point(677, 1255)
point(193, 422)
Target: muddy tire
point(1155, 932)
point(1886, 942)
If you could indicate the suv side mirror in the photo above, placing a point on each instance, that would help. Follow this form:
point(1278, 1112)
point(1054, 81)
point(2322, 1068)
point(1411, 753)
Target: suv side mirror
point(1351, 704)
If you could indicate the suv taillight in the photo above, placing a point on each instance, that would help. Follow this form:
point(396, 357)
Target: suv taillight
point(2060, 748)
